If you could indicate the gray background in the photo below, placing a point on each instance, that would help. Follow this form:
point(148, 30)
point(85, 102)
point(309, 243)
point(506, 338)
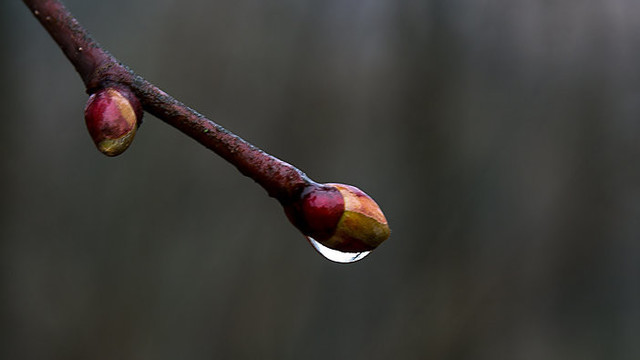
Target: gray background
point(501, 138)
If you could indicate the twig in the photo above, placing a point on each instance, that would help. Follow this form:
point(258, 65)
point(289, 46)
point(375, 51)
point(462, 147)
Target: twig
point(99, 69)
point(340, 217)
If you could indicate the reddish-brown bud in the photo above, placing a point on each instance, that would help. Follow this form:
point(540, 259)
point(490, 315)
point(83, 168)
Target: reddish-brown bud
point(340, 217)
point(112, 115)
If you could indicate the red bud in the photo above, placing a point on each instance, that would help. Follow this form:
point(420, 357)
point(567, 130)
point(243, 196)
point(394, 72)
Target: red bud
point(112, 116)
point(340, 217)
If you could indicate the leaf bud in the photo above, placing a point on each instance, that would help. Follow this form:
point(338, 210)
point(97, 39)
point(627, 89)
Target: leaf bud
point(340, 217)
point(112, 115)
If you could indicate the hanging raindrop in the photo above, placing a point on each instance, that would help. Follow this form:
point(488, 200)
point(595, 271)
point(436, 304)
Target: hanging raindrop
point(336, 255)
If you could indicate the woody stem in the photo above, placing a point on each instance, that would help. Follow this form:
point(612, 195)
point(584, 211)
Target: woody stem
point(99, 69)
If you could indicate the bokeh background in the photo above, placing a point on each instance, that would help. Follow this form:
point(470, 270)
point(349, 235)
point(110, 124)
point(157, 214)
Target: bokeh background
point(501, 138)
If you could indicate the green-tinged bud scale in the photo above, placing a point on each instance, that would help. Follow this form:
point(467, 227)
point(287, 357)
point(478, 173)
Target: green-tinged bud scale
point(362, 226)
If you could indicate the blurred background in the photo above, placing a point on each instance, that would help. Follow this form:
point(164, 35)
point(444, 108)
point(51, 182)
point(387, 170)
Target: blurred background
point(501, 138)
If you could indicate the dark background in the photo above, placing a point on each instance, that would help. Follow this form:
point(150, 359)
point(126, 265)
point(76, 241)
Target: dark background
point(501, 138)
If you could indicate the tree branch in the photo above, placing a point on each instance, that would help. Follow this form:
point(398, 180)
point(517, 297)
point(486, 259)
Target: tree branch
point(337, 216)
point(99, 69)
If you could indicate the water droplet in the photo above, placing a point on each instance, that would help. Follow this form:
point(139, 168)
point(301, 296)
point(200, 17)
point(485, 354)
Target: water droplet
point(336, 255)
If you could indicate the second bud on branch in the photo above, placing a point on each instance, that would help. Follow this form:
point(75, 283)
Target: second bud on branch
point(113, 115)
